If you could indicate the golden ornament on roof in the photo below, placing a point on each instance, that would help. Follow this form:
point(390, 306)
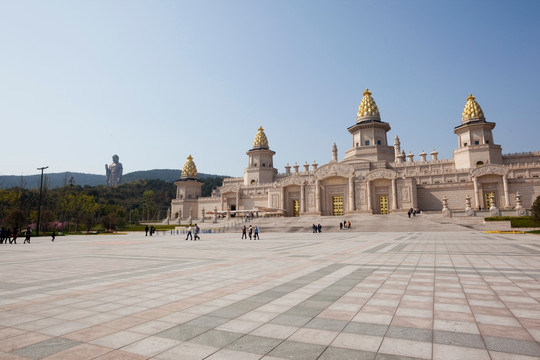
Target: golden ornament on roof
point(367, 107)
point(260, 139)
point(189, 170)
point(471, 111)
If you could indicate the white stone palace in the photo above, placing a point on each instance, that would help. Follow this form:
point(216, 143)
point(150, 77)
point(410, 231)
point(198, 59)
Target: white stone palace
point(374, 177)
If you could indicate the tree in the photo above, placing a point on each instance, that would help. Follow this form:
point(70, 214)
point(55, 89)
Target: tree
point(16, 219)
point(109, 222)
point(535, 209)
point(82, 208)
point(149, 202)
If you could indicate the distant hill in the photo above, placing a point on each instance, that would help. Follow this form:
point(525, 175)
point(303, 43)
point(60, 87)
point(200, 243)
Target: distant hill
point(60, 179)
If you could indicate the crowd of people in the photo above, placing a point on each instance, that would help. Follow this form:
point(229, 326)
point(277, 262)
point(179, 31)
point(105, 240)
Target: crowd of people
point(413, 212)
point(316, 228)
point(149, 230)
point(253, 232)
point(344, 225)
point(10, 236)
point(193, 231)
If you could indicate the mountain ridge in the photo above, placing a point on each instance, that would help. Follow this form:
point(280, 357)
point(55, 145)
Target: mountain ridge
point(55, 180)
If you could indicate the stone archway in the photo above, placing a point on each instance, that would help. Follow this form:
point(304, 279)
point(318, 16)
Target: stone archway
point(334, 189)
point(490, 179)
point(381, 197)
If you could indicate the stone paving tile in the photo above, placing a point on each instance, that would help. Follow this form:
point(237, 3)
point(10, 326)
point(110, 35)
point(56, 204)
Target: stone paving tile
point(118, 339)
point(513, 346)
point(408, 348)
point(336, 353)
point(121, 355)
point(151, 346)
point(255, 344)
point(80, 352)
point(45, 348)
point(447, 352)
point(375, 296)
point(297, 350)
point(358, 342)
point(20, 341)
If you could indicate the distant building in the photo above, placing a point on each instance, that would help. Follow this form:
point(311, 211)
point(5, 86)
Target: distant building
point(374, 177)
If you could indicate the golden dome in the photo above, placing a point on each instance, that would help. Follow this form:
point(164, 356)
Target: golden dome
point(260, 139)
point(472, 111)
point(367, 107)
point(189, 170)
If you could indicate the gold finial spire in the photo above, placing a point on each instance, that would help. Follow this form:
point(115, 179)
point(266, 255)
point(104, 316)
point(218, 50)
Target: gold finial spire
point(472, 110)
point(368, 108)
point(189, 170)
point(260, 139)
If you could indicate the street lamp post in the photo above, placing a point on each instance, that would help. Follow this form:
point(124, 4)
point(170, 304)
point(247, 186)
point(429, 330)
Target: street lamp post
point(40, 193)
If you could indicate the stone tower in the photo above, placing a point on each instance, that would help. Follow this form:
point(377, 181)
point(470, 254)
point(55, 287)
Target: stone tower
point(188, 191)
point(475, 139)
point(260, 169)
point(369, 134)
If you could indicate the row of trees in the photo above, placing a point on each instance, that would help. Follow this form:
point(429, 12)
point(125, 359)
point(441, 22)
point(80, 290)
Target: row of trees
point(77, 208)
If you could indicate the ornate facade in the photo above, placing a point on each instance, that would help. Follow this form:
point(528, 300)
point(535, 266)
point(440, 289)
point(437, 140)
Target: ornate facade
point(375, 177)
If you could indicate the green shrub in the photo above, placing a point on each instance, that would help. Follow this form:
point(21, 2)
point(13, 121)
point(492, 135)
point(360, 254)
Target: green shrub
point(516, 221)
point(535, 209)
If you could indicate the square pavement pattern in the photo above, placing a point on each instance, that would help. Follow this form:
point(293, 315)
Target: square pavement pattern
point(340, 295)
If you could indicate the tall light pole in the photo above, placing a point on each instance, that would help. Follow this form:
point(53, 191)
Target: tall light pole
point(40, 193)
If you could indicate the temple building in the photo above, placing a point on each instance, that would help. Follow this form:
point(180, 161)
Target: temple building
point(375, 177)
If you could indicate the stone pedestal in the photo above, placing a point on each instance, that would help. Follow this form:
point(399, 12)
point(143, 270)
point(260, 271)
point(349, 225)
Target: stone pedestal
point(468, 210)
point(445, 210)
point(520, 210)
point(493, 210)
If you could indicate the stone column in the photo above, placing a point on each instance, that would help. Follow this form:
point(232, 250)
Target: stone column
point(476, 198)
point(368, 188)
point(394, 194)
point(237, 199)
point(317, 196)
point(352, 205)
point(283, 198)
point(302, 198)
point(203, 215)
point(215, 214)
point(506, 195)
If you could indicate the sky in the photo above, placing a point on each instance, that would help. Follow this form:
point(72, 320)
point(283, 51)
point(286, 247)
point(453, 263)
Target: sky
point(156, 81)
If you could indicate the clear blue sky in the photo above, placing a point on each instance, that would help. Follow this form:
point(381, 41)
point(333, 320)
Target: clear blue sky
point(155, 81)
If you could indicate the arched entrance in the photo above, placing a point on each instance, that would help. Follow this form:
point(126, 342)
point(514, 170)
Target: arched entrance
point(334, 188)
point(381, 191)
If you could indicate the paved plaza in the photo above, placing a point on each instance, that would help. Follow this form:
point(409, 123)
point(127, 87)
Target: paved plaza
point(335, 295)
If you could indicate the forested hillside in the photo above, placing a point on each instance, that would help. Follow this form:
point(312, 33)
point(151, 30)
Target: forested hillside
point(74, 207)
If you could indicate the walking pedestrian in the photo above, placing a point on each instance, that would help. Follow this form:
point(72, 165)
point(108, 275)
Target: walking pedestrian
point(27, 235)
point(250, 231)
point(53, 235)
point(319, 228)
point(189, 230)
point(146, 230)
point(196, 231)
point(256, 233)
point(244, 232)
